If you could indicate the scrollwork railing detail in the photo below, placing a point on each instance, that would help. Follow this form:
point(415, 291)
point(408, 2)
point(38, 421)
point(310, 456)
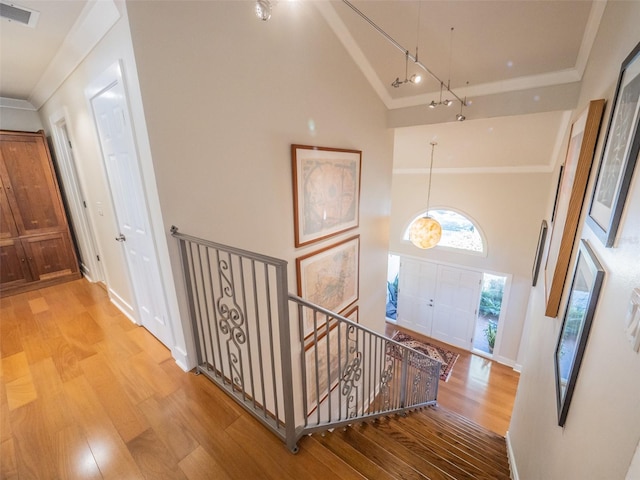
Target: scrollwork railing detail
point(232, 322)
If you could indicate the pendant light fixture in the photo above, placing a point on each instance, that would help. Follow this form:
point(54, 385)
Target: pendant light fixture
point(425, 232)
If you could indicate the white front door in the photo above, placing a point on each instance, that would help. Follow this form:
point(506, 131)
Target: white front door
point(457, 300)
point(416, 293)
point(111, 115)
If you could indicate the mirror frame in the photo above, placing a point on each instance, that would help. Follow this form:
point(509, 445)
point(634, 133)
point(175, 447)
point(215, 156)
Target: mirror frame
point(587, 266)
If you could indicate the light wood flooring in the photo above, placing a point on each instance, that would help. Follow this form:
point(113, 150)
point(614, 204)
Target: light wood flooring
point(86, 394)
point(478, 388)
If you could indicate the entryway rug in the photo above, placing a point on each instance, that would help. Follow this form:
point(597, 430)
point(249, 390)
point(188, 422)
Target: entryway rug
point(444, 356)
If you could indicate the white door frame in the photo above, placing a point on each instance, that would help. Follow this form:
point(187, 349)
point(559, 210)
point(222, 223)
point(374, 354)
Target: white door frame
point(114, 74)
point(505, 299)
point(76, 200)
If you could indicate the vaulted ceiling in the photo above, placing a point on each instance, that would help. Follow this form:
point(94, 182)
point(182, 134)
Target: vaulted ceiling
point(506, 57)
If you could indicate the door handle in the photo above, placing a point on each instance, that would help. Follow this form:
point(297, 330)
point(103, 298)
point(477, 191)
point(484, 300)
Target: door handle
point(121, 238)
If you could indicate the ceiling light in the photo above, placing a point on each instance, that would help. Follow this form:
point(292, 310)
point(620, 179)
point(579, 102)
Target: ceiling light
point(415, 78)
point(425, 232)
point(460, 117)
point(263, 10)
point(397, 82)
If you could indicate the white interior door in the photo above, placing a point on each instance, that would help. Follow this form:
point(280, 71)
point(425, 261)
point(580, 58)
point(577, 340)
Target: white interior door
point(416, 294)
point(76, 200)
point(457, 300)
point(110, 111)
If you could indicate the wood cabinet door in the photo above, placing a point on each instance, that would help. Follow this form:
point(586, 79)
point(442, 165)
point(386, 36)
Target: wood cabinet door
point(50, 255)
point(30, 184)
point(14, 270)
point(7, 224)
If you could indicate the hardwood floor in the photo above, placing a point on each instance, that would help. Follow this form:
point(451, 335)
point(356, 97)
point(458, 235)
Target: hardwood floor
point(86, 394)
point(479, 389)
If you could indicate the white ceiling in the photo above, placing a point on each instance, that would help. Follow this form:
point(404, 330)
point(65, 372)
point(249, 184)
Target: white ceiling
point(496, 46)
point(25, 53)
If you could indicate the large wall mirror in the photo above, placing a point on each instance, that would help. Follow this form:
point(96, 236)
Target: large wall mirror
point(581, 305)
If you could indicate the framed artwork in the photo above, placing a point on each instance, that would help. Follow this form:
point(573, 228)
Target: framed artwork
point(542, 237)
point(578, 316)
point(575, 176)
point(555, 201)
point(326, 191)
point(329, 278)
point(352, 314)
point(326, 358)
point(620, 154)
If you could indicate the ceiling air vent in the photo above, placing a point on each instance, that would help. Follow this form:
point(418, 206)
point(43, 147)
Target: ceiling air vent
point(18, 14)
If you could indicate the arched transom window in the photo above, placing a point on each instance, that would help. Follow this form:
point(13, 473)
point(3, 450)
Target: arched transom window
point(458, 231)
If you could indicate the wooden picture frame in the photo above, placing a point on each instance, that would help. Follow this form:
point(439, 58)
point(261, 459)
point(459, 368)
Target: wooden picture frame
point(578, 317)
point(577, 167)
point(330, 278)
point(555, 201)
point(326, 191)
point(331, 358)
point(542, 237)
point(619, 155)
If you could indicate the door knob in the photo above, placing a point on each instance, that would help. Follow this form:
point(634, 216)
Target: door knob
point(121, 238)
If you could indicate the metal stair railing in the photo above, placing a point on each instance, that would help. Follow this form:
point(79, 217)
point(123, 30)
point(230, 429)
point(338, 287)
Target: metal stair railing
point(317, 372)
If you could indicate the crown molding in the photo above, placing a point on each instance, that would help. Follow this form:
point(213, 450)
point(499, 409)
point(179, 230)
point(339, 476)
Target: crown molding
point(17, 104)
point(475, 170)
point(568, 76)
point(93, 23)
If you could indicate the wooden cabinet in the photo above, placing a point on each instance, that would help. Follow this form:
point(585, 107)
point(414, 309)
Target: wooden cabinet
point(35, 241)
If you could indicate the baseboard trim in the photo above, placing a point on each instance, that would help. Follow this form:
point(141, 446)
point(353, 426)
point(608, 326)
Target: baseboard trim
point(512, 459)
point(181, 358)
point(123, 306)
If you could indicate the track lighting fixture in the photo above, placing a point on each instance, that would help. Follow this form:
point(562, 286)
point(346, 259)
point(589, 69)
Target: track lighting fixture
point(460, 117)
point(415, 78)
point(263, 10)
point(397, 82)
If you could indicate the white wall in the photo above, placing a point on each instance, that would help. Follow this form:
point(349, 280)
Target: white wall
point(19, 119)
point(603, 425)
point(87, 153)
point(508, 208)
point(226, 95)
point(115, 46)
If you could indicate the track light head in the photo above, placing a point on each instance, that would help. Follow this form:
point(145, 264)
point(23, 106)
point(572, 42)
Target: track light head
point(415, 78)
point(263, 10)
point(460, 117)
point(447, 102)
point(433, 104)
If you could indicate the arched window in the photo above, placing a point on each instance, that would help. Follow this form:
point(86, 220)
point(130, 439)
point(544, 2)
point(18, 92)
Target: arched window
point(458, 231)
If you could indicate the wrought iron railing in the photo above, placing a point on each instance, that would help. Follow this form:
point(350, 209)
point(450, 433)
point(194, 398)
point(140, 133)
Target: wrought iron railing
point(296, 367)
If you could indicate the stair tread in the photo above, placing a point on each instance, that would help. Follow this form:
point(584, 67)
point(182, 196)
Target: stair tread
point(460, 419)
point(473, 460)
point(473, 434)
point(428, 462)
point(433, 444)
point(353, 457)
point(459, 440)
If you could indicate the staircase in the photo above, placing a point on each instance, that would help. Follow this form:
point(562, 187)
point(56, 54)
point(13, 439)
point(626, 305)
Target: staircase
point(309, 374)
point(432, 443)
